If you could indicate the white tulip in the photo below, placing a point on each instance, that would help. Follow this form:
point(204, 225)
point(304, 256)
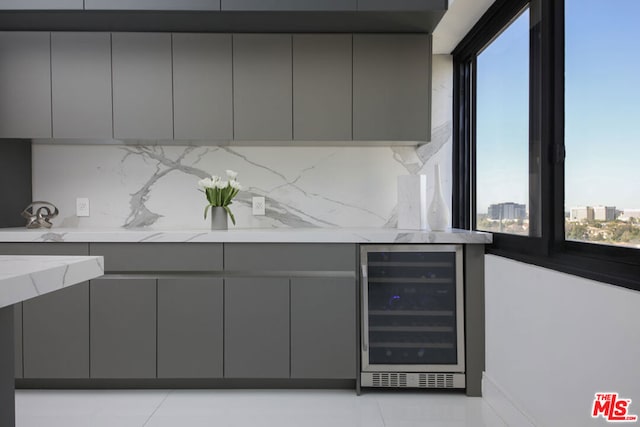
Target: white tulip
point(206, 183)
point(215, 178)
point(235, 184)
point(221, 184)
point(232, 174)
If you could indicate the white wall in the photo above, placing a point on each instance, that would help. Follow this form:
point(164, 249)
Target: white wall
point(553, 341)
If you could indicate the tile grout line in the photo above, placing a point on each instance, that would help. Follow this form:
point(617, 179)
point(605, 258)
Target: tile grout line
point(157, 407)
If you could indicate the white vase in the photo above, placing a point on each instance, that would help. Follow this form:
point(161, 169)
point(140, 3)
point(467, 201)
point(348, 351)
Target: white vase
point(438, 213)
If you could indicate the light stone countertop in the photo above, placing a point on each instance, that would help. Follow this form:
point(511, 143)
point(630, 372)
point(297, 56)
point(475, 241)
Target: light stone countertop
point(25, 276)
point(271, 235)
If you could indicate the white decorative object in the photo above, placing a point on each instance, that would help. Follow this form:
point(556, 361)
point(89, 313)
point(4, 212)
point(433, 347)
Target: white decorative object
point(412, 202)
point(438, 213)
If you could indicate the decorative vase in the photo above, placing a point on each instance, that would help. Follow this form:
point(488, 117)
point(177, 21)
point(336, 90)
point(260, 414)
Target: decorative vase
point(438, 213)
point(218, 218)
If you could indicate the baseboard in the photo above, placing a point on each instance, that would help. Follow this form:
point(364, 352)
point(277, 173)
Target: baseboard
point(510, 411)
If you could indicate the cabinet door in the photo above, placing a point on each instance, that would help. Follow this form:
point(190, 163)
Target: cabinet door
point(56, 334)
point(25, 85)
point(123, 328)
point(202, 86)
point(190, 328)
point(41, 5)
point(256, 340)
point(323, 328)
point(262, 91)
point(391, 87)
point(402, 5)
point(81, 85)
point(17, 328)
point(322, 87)
point(288, 5)
point(152, 4)
point(142, 98)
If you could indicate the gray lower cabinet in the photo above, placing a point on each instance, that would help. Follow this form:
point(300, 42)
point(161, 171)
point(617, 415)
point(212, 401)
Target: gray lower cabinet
point(81, 85)
point(176, 5)
point(202, 86)
point(392, 87)
point(289, 5)
point(17, 343)
point(142, 86)
point(190, 328)
point(56, 334)
point(323, 328)
point(25, 85)
point(256, 341)
point(262, 93)
point(123, 328)
point(322, 78)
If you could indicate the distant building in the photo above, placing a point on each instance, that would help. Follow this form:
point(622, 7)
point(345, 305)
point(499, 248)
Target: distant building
point(630, 213)
point(507, 210)
point(604, 213)
point(581, 213)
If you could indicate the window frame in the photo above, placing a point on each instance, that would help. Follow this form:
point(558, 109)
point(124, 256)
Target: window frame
point(605, 263)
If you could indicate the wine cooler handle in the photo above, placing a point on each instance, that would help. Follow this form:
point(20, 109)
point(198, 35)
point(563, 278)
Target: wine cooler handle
point(365, 309)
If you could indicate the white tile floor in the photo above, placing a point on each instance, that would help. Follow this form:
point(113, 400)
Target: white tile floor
point(281, 408)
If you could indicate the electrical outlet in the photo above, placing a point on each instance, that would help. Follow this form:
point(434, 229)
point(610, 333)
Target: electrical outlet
point(82, 206)
point(258, 205)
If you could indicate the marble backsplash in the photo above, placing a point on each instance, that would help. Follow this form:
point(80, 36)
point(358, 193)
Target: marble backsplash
point(156, 185)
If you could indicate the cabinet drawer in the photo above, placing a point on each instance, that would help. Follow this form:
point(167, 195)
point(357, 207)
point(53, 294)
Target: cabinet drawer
point(71, 249)
point(159, 257)
point(290, 257)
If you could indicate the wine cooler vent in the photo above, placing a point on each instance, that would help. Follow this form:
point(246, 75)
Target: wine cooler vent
point(413, 380)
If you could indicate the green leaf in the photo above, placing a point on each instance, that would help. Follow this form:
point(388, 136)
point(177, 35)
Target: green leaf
point(226, 208)
point(206, 209)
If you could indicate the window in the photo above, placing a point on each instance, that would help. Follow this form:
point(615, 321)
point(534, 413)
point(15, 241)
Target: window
point(602, 197)
point(545, 142)
point(502, 131)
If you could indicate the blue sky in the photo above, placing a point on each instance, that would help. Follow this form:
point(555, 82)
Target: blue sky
point(602, 89)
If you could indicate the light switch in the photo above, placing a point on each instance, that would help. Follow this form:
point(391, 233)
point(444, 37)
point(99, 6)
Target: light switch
point(258, 205)
point(82, 206)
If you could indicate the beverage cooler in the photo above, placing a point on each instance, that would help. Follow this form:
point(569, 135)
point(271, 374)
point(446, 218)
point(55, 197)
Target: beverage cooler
point(412, 316)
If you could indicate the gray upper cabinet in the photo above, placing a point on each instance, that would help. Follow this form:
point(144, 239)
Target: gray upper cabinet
point(123, 328)
point(323, 328)
point(81, 85)
point(262, 87)
point(392, 87)
point(41, 4)
point(142, 80)
point(322, 78)
point(256, 339)
point(202, 86)
point(25, 85)
point(402, 5)
point(152, 4)
point(56, 334)
point(288, 5)
point(190, 328)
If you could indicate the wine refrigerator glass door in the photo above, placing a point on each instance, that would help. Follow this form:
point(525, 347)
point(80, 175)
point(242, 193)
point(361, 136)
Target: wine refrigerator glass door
point(412, 308)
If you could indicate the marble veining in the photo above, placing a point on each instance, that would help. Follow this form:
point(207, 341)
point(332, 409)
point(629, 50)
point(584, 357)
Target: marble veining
point(26, 276)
